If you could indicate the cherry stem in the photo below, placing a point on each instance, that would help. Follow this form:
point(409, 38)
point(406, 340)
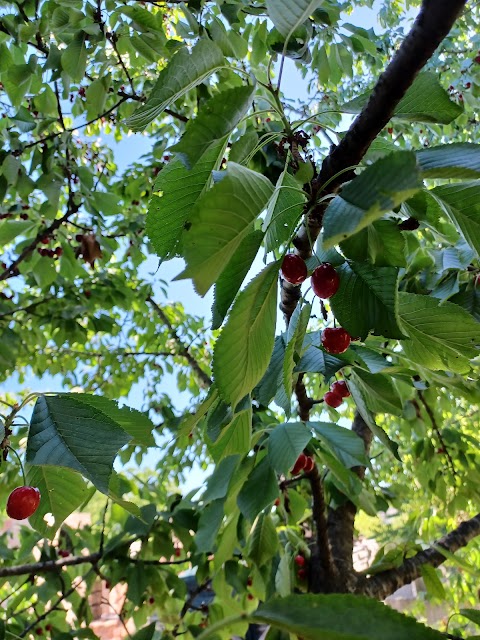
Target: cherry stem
point(20, 463)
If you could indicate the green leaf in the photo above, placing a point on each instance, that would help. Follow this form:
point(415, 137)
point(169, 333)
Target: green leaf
point(295, 334)
point(135, 423)
point(469, 299)
point(284, 210)
point(382, 243)
point(461, 203)
point(460, 160)
point(234, 438)
point(208, 526)
point(17, 82)
point(232, 277)
point(251, 500)
point(74, 57)
point(10, 229)
point(425, 101)
point(146, 633)
point(472, 614)
point(285, 443)
point(176, 192)
point(287, 16)
point(217, 484)
point(222, 218)
point(183, 72)
point(432, 582)
point(67, 433)
point(373, 361)
point(263, 540)
point(243, 350)
point(62, 491)
point(345, 445)
point(193, 419)
point(360, 402)
point(379, 391)
point(367, 300)
point(268, 386)
point(341, 617)
point(316, 360)
point(380, 188)
point(214, 122)
point(24, 120)
point(442, 336)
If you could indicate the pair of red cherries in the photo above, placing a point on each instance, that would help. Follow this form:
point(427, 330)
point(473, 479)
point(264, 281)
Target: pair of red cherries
point(325, 282)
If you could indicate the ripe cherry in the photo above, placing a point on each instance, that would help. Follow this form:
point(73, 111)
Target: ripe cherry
point(390, 130)
point(299, 561)
point(45, 240)
point(299, 464)
point(294, 269)
point(309, 465)
point(335, 340)
point(340, 388)
point(277, 502)
point(325, 281)
point(250, 596)
point(178, 552)
point(63, 553)
point(23, 502)
point(48, 627)
point(477, 59)
point(249, 581)
point(39, 631)
point(302, 574)
point(332, 399)
point(151, 600)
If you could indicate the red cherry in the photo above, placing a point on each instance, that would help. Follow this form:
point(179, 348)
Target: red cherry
point(477, 59)
point(249, 582)
point(39, 631)
point(45, 240)
point(151, 600)
point(390, 130)
point(178, 552)
point(340, 388)
point(299, 464)
point(332, 399)
point(250, 596)
point(468, 85)
point(48, 627)
point(309, 465)
point(294, 269)
point(325, 281)
point(87, 294)
point(335, 340)
point(58, 251)
point(64, 553)
point(302, 574)
point(23, 502)
point(277, 502)
point(299, 561)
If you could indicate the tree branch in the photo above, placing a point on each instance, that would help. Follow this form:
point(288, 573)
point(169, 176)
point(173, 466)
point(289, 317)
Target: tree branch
point(341, 521)
point(182, 348)
point(385, 583)
point(433, 23)
point(322, 569)
point(49, 565)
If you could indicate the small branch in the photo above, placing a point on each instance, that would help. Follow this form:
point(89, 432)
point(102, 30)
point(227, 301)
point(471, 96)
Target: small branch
point(54, 606)
point(385, 583)
point(322, 569)
point(183, 349)
point(12, 270)
point(48, 565)
point(433, 420)
point(305, 403)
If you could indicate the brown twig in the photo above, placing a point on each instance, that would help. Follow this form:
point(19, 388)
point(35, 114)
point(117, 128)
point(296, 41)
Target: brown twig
point(433, 420)
point(182, 348)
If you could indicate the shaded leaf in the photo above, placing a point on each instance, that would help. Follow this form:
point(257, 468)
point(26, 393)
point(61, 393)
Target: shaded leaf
point(285, 443)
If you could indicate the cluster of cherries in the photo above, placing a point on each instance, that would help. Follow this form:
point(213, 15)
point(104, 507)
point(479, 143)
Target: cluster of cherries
point(325, 282)
point(23, 502)
point(300, 562)
point(303, 463)
point(338, 391)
